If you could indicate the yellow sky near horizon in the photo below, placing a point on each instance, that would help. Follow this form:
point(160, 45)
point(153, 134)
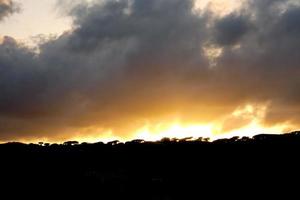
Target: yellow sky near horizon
point(245, 121)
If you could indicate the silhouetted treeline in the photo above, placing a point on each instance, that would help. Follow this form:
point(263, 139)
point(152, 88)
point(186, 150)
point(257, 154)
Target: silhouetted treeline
point(165, 169)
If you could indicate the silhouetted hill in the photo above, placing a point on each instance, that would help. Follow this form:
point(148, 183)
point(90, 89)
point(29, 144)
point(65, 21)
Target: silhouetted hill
point(165, 169)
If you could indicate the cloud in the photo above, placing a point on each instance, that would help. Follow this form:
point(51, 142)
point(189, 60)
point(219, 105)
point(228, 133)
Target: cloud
point(230, 29)
point(128, 61)
point(7, 7)
point(266, 57)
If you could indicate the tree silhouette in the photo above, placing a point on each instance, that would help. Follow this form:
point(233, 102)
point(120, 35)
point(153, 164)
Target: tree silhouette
point(152, 170)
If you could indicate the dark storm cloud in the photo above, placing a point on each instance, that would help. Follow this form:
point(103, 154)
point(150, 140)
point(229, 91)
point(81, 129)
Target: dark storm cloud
point(230, 29)
point(111, 70)
point(131, 60)
point(268, 58)
point(7, 7)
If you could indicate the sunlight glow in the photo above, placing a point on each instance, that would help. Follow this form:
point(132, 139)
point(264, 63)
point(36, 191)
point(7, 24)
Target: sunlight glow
point(219, 7)
point(175, 130)
point(253, 126)
point(246, 121)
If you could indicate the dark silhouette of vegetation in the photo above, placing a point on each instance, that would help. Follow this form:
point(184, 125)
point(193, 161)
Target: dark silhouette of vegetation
point(165, 169)
point(71, 143)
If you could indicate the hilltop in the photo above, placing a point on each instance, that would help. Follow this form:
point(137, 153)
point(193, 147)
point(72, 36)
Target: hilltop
point(153, 169)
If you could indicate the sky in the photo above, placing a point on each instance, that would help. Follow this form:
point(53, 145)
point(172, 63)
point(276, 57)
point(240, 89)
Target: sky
point(34, 18)
point(92, 70)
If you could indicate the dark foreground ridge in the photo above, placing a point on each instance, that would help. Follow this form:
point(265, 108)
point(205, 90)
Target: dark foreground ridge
point(165, 169)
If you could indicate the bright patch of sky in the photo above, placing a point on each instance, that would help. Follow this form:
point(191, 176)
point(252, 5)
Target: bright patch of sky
point(35, 17)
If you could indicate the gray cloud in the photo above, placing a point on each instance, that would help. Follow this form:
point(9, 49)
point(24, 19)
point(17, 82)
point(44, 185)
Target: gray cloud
point(7, 7)
point(131, 60)
point(230, 29)
point(267, 59)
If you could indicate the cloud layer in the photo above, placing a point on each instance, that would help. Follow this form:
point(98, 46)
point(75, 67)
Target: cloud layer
point(128, 61)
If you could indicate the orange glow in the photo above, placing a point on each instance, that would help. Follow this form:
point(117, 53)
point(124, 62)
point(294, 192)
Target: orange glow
point(251, 115)
point(245, 121)
point(212, 131)
point(175, 130)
